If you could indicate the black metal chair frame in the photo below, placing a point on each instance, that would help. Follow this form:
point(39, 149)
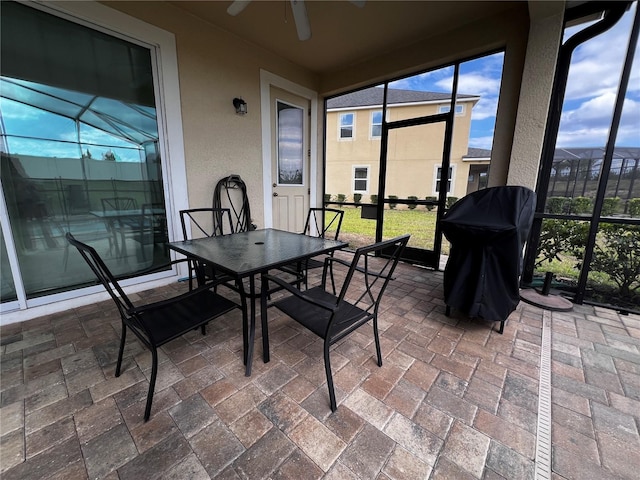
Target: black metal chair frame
point(333, 317)
point(217, 224)
point(316, 224)
point(116, 225)
point(157, 323)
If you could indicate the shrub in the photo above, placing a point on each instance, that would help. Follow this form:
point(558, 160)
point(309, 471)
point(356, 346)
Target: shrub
point(560, 236)
point(634, 207)
point(618, 255)
point(580, 205)
point(610, 206)
point(555, 205)
point(451, 201)
point(411, 197)
point(374, 199)
point(341, 198)
point(392, 205)
point(357, 197)
point(327, 197)
point(431, 199)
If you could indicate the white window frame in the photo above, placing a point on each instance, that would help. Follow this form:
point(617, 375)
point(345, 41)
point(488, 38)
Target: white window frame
point(460, 109)
point(353, 177)
point(353, 127)
point(451, 188)
point(372, 124)
point(162, 45)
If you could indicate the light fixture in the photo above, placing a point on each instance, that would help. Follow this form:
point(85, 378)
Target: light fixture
point(241, 106)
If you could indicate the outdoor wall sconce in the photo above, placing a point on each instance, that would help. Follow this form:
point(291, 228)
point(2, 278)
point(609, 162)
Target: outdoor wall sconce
point(241, 106)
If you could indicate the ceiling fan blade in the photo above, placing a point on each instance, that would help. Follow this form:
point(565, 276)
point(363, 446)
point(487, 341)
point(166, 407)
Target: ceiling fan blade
point(301, 19)
point(238, 6)
point(358, 3)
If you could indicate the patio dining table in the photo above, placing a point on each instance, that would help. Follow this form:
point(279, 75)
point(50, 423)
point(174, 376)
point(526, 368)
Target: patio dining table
point(247, 254)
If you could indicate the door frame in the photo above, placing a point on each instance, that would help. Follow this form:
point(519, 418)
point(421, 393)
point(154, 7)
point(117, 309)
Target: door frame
point(267, 80)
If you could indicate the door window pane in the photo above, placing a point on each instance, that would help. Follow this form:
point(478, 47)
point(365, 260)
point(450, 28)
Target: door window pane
point(79, 130)
point(290, 144)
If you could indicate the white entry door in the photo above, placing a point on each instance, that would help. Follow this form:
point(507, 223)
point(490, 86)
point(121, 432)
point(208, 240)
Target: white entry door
point(290, 154)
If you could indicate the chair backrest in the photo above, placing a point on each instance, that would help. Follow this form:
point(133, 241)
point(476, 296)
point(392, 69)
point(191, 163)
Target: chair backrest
point(118, 203)
point(370, 273)
point(153, 224)
point(104, 275)
point(210, 222)
point(323, 221)
point(231, 193)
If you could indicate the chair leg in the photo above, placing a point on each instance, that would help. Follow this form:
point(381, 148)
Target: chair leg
point(152, 383)
point(377, 339)
point(123, 338)
point(327, 368)
point(501, 327)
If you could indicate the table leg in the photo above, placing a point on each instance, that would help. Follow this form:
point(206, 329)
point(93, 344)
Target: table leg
point(252, 325)
point(245, 321)
point(264, 293)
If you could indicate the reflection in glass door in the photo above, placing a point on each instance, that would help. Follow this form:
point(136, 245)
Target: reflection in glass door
point(79, 152)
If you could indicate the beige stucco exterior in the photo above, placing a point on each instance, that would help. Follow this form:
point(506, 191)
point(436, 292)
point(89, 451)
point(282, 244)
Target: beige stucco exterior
point(414, 153)
point(214, 66)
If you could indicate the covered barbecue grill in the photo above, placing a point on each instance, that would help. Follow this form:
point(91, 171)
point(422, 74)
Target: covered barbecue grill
point(487, 230)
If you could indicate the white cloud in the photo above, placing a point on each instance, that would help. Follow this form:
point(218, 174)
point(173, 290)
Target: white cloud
point(485, 108)
point(481, 142)
point(596, 65)
point(588, 125)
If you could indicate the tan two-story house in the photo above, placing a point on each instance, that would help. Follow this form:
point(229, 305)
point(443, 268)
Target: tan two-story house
point(414, 155)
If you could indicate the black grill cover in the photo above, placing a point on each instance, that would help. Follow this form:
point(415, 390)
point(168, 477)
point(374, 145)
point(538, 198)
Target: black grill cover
point(487, 230)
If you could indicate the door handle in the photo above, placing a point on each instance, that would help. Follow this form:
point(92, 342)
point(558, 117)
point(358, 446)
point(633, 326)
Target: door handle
point(275, 194)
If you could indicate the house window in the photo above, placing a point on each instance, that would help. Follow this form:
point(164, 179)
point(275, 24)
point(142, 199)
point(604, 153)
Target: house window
point(346, 126)
point(447, 108)
point(361, 179)
point(439, 176)
point(376, 124)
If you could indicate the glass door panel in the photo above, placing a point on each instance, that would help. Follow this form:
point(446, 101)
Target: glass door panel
point(79, 151)
point(414, 155)
point(7, 287)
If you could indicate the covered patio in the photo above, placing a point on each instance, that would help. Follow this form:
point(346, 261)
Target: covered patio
point(556, 396)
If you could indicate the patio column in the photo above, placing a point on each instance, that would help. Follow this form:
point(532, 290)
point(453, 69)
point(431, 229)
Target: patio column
point(545, 37)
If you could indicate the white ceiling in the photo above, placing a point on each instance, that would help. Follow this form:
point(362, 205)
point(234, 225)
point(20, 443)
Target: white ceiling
point(342, 34)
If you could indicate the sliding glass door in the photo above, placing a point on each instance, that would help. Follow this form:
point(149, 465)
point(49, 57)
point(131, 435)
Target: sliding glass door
point(79, 153)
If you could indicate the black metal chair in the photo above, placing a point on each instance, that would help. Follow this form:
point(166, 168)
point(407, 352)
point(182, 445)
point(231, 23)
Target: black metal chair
point(323, 223)
point(151, 228)
point(333, 317)
point(159, 322)
point(205, 222)
point(116, 224)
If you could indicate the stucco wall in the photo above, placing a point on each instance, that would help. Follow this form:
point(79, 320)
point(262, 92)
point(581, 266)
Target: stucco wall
point(533, 107)
point(214, 67)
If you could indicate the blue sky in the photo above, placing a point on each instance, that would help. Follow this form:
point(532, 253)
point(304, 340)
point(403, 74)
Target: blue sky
point(589, 100)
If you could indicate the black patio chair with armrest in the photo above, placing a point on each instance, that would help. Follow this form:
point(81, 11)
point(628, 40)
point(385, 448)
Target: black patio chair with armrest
point(205, 222)
point(157, 323)
point(322, 223)
point(333, 317)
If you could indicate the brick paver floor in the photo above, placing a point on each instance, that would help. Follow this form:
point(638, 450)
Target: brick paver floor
point(453, 400)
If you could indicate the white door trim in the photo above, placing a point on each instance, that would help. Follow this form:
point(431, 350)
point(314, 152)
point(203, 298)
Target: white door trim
point(267, 80)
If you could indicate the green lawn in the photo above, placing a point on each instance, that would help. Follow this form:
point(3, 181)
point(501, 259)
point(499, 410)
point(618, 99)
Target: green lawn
point(420, 223)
